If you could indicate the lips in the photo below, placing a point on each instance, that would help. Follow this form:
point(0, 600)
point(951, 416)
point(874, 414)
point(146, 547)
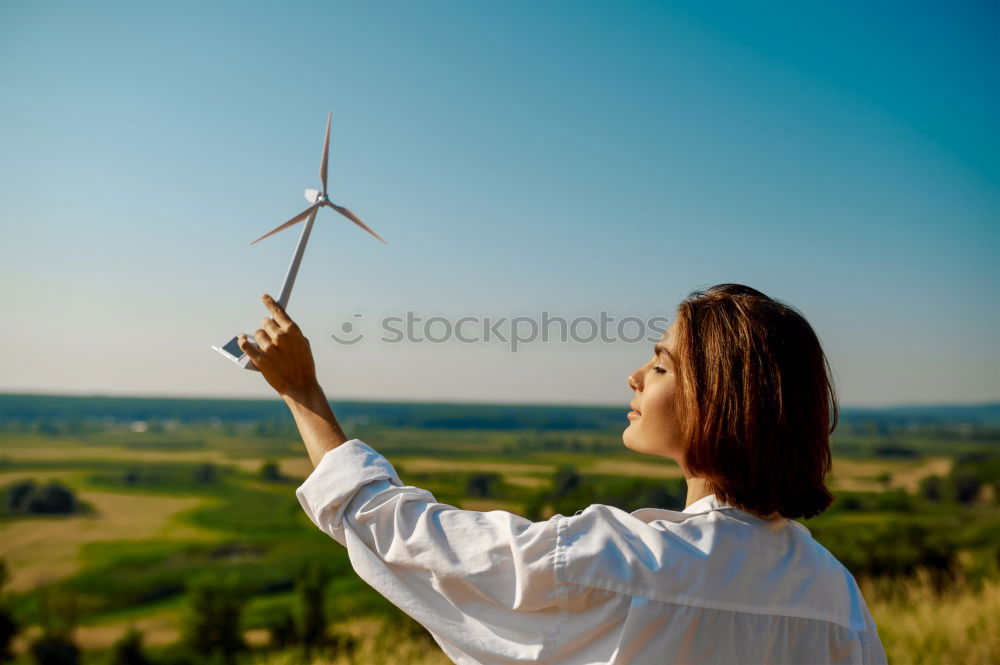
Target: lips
point(632, 406)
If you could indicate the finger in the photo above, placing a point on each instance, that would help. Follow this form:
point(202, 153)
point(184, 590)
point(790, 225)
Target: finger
point(277, 311)
point(248, 348)
point(268, 324)
point(263, 339)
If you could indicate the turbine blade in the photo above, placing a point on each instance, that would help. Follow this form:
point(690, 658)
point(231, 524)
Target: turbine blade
point(326, 152)
point(294, 220)
point(354, 218)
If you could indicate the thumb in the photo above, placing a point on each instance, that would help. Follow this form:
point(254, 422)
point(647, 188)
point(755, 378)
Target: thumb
point(253, 351)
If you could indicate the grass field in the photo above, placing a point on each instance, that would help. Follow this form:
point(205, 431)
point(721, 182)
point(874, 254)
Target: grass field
point(173, 504)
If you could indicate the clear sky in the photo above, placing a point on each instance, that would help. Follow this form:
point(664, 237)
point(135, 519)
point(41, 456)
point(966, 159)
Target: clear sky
point(519, 157)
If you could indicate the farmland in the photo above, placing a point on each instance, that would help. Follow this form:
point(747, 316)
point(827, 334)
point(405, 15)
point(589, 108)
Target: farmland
point(171, 493)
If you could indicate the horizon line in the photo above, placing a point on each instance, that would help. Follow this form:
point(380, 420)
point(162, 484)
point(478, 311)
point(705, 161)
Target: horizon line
point(889, 406)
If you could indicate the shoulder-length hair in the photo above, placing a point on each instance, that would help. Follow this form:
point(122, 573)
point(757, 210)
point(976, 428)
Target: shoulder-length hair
point(757, 401)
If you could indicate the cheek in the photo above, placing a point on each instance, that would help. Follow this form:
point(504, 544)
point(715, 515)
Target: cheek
point(660, 402)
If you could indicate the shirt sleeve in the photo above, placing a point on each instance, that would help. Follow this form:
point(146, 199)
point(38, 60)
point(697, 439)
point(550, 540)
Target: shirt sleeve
point(485, 584)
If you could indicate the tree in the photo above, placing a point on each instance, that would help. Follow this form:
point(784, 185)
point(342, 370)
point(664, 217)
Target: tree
point(205, 473)
point(966, 484)
point(213, 624)
point(932, 488)
point(52, 650)
point(59, 613)
point(8, 625)
point(8, 631)
point(312, 582)
point(567, 479)
point(128, 649)
point(27, 496)
point(482, 484)
point(270, 471)
point(282, 629)
point(54, 498)
point(18, 495)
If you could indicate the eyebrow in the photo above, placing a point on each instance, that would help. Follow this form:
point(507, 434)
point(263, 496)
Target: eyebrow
point(659, 348)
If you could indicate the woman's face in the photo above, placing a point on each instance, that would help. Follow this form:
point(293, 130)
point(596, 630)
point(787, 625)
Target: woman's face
point(653, 424)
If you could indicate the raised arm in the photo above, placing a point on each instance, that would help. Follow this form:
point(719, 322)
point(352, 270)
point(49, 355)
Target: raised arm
point(284, 358)
point(484, 583)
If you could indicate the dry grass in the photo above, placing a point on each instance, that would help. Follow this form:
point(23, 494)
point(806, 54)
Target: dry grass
point(652, 469)
point(41, 476)
point(44, 549)
point(431, 465)
point(531, 482)
point(917, 626)
point(79, 453)
point(921, 627)
point(909, 477)
point(860, 475)
point(369, 651)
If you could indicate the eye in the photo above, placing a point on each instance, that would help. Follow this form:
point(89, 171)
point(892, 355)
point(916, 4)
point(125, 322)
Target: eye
point(660, 370)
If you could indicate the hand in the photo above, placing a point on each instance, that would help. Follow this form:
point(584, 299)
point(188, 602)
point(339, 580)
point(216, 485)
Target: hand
point(284, 357)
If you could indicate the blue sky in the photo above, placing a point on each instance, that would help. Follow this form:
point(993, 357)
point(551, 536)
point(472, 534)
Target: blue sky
point(518, 157)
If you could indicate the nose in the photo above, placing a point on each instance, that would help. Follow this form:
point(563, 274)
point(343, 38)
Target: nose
point(633, 382)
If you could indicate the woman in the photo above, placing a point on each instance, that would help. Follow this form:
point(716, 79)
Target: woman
point(738, 393)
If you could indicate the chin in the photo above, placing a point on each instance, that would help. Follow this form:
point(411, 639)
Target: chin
point(634, 443)
point(628, 439)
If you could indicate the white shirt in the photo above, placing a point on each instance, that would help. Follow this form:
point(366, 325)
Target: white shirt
point(709, 584)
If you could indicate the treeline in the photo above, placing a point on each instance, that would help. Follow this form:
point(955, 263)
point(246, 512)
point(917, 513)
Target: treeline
point(57, 414)
point(81, 412)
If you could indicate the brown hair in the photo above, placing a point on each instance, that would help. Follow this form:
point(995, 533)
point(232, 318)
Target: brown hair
point(757, 401)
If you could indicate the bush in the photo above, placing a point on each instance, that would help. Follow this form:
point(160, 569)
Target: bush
point(895, 549)
point(895, 501)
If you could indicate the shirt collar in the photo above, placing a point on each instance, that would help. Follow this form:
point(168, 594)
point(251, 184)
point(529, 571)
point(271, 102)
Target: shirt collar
point(704, 504)
point(711, 502)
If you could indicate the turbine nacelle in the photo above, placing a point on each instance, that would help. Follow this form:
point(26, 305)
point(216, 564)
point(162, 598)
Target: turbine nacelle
point(318, 198)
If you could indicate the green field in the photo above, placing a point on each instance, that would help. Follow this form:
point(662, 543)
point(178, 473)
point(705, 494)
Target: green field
point(173, 491)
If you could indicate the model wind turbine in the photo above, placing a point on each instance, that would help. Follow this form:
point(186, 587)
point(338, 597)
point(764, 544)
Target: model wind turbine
point(317, 199)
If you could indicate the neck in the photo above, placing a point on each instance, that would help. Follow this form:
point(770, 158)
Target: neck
point(697, 489)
